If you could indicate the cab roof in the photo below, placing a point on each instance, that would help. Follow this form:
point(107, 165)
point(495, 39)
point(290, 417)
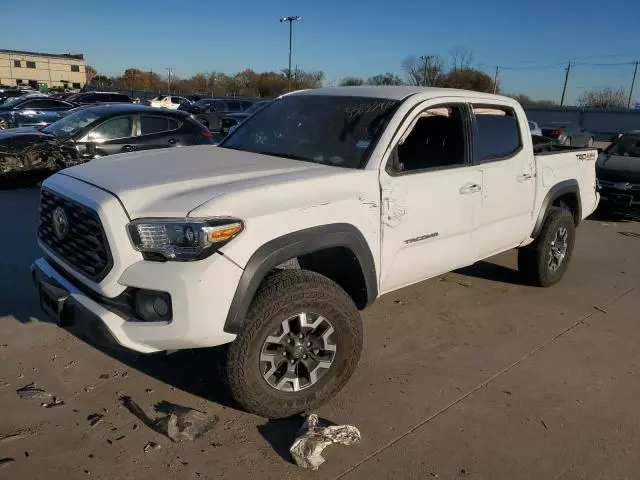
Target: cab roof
point(396, 92)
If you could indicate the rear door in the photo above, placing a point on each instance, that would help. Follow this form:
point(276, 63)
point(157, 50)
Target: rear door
point(158, 132)
point(503, 152)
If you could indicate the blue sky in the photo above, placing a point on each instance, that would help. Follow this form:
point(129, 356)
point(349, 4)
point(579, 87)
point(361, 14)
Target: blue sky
point(341, 37)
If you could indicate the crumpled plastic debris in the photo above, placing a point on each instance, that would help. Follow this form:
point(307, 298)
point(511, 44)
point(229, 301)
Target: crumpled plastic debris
point(180, 423)
point(313, 437)
point(94, 419)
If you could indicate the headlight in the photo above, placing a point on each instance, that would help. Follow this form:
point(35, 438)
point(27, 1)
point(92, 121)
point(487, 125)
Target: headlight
point(181, 239)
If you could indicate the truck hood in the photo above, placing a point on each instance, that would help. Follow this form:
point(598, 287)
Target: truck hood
point(173, 182)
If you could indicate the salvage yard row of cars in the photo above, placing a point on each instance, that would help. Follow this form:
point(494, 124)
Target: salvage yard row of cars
point(42, 133)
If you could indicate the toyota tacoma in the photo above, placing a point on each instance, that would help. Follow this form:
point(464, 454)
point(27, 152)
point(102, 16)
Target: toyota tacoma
point(310, 210)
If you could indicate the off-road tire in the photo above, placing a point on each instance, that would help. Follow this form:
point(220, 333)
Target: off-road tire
point(283, 294)
point(533, 259)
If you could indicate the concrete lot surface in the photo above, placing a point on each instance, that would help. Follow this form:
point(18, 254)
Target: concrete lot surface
point(470, 376)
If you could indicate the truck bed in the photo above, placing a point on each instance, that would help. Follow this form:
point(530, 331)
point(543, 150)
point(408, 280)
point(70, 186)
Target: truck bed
point(545, 146)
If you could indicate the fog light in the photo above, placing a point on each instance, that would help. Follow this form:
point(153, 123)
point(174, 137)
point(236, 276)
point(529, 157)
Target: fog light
point(152, 306)
point(160, 306)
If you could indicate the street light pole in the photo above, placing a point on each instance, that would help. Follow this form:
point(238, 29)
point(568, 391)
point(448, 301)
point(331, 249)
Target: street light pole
point(168, 80)
point(290, 20)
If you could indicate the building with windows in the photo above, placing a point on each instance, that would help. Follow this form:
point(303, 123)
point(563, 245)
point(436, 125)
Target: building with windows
point(42, 70)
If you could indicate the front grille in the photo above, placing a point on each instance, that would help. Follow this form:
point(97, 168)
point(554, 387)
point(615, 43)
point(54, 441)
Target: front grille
point(85, 245)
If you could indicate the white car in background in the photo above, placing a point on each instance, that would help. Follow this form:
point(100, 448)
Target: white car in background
point(171, 102)
point(535, 128)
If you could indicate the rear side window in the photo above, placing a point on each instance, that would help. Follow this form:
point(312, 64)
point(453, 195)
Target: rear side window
point(175, 100)
point(44, 103)
point(87, 99)
point(219, 106)
point(497, 134)
point(151, 125)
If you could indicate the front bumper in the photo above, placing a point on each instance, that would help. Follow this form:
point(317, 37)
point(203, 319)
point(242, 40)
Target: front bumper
point(619, 194)
point(199, 306)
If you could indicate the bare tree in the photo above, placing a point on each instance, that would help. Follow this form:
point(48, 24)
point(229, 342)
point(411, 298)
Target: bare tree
point(604, 98)
point(426, 70)
point(384, 79)
point(461, 58)
point(90, 73)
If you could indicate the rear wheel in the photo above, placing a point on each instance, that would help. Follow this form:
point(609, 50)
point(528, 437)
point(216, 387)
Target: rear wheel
point(300, 343)
point(545, 261)
point(3, 124)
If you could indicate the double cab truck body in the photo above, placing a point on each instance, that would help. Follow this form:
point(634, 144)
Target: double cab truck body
point(311, 209)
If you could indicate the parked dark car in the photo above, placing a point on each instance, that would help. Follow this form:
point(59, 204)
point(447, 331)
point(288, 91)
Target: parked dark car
point(210, 111)
point(97, 131)
point(618, 172)
point(7, 93)
point(92, 98)
point(31, 110)
point(236, 118)
point(568, 134)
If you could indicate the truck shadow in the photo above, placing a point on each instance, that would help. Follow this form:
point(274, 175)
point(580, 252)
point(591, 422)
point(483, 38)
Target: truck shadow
point(198, 371)
point(19, 210)
point(494, 272)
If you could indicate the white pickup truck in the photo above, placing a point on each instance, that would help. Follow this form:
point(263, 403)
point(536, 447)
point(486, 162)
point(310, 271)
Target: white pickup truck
point(312, 209)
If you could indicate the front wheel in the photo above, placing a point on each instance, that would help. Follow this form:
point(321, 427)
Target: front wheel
point(546, 260)
point(299, 345)
point(3, 123)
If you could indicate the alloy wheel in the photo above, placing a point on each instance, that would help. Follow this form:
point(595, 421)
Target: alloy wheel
point(298, 353)
point(558, 249)
point(3, 124)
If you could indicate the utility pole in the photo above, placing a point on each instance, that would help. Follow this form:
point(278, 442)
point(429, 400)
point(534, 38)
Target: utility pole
point(566, 79)
point(168, 79)
point(426, 59)
point(633, 82)
point(290, 20)
point(495, 79)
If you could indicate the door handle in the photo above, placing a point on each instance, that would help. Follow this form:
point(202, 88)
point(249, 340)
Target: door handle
point(173, 141)
point(525, 177)
point(470, 188)
point(128, 148)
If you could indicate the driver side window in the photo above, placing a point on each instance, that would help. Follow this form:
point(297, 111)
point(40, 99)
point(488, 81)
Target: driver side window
point(112, 130)
point(436, 140)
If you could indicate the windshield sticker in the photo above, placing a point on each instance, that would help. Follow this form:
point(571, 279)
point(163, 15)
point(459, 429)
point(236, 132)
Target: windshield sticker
point(363, 144)
point(67, 129)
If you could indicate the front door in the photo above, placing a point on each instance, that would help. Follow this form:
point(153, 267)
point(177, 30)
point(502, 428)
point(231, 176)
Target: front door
point(431, 196)
point(115, 135)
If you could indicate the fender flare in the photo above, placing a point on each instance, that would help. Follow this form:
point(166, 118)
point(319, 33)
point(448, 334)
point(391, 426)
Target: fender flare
point(558, 190)
point(295, 244)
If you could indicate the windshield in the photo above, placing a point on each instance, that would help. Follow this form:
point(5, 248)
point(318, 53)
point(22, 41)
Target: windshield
point(71, 124)
point(332, 130)
point(625, 146)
